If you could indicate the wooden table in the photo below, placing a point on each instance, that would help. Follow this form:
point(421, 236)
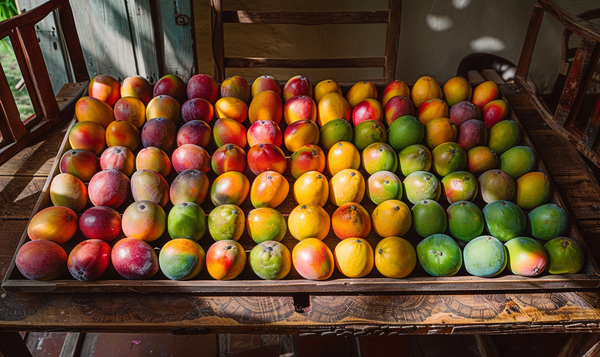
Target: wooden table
point(22, 178)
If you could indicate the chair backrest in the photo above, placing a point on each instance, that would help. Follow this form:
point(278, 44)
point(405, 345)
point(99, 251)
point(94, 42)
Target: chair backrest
point(387, 61)
point(568, 120)
point(48, 110)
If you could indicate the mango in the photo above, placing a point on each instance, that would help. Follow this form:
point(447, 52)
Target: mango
point(424, 89)
point(565, 256)
point(197, 109)
point(485, 256)
point(151, 186)
point(354, 257)
point(41, 260)
point(346, 186)
point(548, 221)
point(68, 191)
point(429, 217)
point(267, 131)
point(460, 186)
point(397, 107)
point(265, 82)
point(361, 91)
point(100, 222)
point(503, 136)
point(189, 186)
point(225, 259)
point(296, 86)
point(313, 259)
point(269, 189)
point(266, 105)
point(447, 158)
point(137, 87)
point(265, 224)
point(439, 131)
point(391, 218)
point(144, 220)
point(383, 186)
point(87, 135)
point(195, 132)
point(495, 112)
point(351, 220)
point(422, 185)
point(368, 109)
point(456, 89)
point(395, 257)
point(118, 158)
point(379, 157)
point(271, 260)
point(414, 158)
point(236, 86)
point(92, 109)
point(311, 187)
point(171, 85)
point(181, 259)
point(79, 162)
point(132, 110)
point(309, 221)
point(229, 157)
point(226, 222)
point(190, 157)
point(186, 220)
point(105, 88)
point(231, 187)
point(89, 259)
point(504, 220)
point(55, 223)
point(300, 133)
point(109, 188)
point(526, 256)
point(481, 159)
point(369, 132)
point(326, 86)
point(164, 106)
point(496, 185)
point(432, 109)
point(301, 107)
point(342, 155)
point(203, 86)
point(334, 131)
point(307, 158)
point(160, 133)
point(465, 220)
point(485, 93)
point(405, 131)
point(517, 161)
point(532, 189)
point(439, 255)
point(472, 133)
point(232, 108)
point(463, 111)
point(332, 106)
point(155, 159)
point(122, 133)
point(395, 88)
point(134, 259)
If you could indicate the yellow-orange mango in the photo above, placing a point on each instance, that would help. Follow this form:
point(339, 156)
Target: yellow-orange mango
point(269, 189)
point(342, 155)
point(391, 218)
point(266, 105)
point(346, 186)
point(123, 133)
point(232, 108)
point(55, 223)
point(309, 221)
point(311, 188)
point(326, 86)
point(351, 220)
point(425, 88)
point(361, 91)
point(532, 190)
point(439, 131)
point(485, 93)
point(354, 257)
point(432, 109)
point(164, 106)
point(332, 106)
point(92, 109)
point(456, 90)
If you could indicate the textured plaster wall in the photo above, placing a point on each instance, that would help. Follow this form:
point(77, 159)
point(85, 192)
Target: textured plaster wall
point(435, 36)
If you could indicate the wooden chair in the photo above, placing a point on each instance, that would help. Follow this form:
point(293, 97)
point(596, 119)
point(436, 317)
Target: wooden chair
point(49, 109)
point(390, 17)
point(568, 120)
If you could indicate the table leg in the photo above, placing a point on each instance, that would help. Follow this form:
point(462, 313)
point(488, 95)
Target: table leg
point(12, 345)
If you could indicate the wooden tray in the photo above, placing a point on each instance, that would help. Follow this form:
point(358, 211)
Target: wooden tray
point(249, 283)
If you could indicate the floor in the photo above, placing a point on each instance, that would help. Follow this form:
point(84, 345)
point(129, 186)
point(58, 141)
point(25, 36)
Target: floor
point(241, 345)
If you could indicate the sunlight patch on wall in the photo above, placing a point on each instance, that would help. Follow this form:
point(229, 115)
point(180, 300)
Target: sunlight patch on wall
point(438, 23)
point(487, 44)
point(460, 4)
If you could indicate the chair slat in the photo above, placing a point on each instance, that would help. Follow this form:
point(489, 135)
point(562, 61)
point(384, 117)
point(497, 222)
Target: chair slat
point(12, 128)
point(306, 18)
point(243, 62)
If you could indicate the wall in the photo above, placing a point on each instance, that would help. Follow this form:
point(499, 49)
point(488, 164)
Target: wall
point(435, 36)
